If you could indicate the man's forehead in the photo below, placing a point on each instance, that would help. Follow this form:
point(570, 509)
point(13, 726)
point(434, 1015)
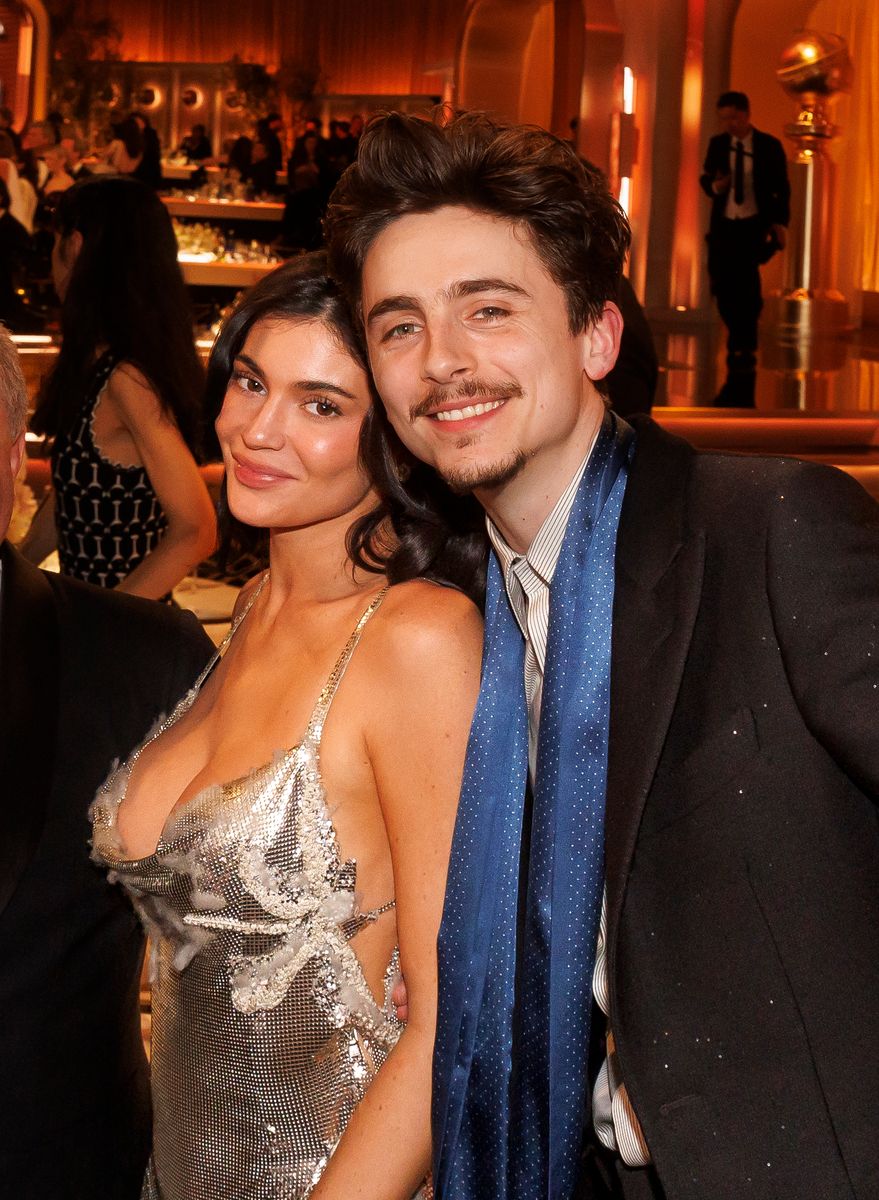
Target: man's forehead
point(449, 252)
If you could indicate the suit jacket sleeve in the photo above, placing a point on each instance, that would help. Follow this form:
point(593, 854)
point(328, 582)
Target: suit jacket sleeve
point(780, 189)
point(823, 583)
point(716, 163)
point(192, 651)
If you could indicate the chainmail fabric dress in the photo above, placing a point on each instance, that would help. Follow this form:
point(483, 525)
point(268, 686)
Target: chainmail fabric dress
point(265, 1032)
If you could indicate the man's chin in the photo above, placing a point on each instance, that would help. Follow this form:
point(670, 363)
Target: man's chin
point(478, 477)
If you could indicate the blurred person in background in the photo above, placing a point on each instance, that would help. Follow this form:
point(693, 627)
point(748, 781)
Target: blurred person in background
point(15, 247)
point(149, 169)
point(196, 146)
point(59, 179)
point(6, 119)
point(128, 508)
point(126, 150)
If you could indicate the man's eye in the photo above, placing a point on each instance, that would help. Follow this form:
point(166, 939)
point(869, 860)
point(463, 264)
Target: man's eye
point(403, 330)
point(490, 312)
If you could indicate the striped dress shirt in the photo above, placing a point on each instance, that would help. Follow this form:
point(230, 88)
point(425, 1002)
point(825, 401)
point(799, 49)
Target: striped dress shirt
point(527, 578)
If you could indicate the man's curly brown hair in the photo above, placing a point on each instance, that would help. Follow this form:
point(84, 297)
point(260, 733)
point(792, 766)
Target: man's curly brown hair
point(406, 164)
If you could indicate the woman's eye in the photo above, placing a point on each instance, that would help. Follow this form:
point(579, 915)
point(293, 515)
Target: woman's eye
point(247, 383)
point(323, 408)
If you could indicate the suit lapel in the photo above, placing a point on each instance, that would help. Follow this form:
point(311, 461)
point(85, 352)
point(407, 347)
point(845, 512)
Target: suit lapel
point(658, 585)
point(28, 712)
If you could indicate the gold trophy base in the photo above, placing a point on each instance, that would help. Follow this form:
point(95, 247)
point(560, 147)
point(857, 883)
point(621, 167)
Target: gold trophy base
point(802, 315)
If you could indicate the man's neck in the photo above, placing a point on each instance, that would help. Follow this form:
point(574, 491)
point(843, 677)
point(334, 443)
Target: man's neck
point(520, 507)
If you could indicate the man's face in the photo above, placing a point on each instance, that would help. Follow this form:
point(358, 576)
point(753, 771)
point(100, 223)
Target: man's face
point(734, 121)
point(471, 348)
point(11, 454)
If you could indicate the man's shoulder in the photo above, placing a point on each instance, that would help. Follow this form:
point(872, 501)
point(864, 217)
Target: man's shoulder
point(737, 483)
point(767, 141)
point(101, 620)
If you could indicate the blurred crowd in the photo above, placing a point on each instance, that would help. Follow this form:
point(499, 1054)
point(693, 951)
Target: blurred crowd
point(40, 162)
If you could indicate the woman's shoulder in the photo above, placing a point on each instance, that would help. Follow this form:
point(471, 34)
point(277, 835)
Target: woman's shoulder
point(422, 619)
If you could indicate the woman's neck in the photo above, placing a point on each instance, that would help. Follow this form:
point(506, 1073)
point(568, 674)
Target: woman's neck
point(312, 562)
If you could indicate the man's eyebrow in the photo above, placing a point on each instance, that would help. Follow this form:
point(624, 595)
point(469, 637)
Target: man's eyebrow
point(457, 291)
point(391, 304)
point(472, 287)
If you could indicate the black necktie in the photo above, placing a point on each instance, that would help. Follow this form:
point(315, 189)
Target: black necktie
point(739, 174)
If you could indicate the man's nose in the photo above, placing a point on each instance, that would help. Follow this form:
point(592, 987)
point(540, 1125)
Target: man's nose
point(448, 354)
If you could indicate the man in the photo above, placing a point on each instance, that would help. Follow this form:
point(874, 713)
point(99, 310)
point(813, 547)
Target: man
point(694, 706)
point(83, 675)
point(745, 174)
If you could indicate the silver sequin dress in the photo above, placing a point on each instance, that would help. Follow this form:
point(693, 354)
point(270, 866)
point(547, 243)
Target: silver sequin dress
point(265, 1033)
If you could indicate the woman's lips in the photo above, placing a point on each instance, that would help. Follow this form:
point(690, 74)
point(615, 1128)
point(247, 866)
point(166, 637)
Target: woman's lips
point(254, 475)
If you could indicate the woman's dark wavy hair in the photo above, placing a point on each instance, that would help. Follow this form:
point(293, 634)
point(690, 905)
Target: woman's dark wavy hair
point(406, 164)
point(418, 528)
point(126, 292)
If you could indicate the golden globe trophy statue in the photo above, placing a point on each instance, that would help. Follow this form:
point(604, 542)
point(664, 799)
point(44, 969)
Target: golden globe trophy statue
point(814, 69)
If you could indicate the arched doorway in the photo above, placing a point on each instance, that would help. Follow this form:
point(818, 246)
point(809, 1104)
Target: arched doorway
point(545, 62)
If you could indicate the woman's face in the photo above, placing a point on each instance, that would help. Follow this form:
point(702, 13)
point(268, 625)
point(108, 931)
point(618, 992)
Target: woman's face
point(290, 426)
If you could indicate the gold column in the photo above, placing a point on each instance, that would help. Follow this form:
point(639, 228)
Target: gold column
point(814, 69)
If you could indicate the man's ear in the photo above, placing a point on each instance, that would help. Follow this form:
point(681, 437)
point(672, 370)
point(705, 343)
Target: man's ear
point(601, 342)
point(16, 454)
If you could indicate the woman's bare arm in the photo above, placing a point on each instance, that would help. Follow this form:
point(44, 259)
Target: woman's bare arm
point(417, 738)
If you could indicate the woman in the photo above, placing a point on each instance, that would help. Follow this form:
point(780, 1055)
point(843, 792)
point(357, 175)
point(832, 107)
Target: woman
point(59, 178)
point(281, 897)
point(122, 402)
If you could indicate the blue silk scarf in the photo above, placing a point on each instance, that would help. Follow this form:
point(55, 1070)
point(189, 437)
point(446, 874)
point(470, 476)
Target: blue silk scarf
point(511, 1098)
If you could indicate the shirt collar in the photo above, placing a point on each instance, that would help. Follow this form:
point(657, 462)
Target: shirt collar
point(543, 553)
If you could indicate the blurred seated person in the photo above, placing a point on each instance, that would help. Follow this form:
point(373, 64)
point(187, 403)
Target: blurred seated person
point(15, 247)
point(60, 177)
point(196, 146)
point(125, 153)
point(341, 147)
point(149, 170)
point(631, 385)
point(76, 151)
point(262, 176)
point(35, 140)
point(22, 197)
point(6, 119)
point(239, 159)
point(310, 181)
point(356, 126)
point(268, 131)
point(85, 674)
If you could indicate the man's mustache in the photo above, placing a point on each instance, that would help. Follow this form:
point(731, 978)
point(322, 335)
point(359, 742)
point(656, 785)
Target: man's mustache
point(468, 389)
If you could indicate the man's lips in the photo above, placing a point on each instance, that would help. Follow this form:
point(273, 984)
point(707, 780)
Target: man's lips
point(463, 412)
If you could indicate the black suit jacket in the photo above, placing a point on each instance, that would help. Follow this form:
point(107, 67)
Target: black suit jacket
point(771, 186)
point(742, 841)
point(83, 675)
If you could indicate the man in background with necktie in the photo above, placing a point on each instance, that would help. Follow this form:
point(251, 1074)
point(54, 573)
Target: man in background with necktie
point(745, 174)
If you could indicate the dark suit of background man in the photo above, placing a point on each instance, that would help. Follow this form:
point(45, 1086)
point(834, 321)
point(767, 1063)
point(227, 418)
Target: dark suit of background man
point(728, 609)
point(745, 174)
point(83, 675)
